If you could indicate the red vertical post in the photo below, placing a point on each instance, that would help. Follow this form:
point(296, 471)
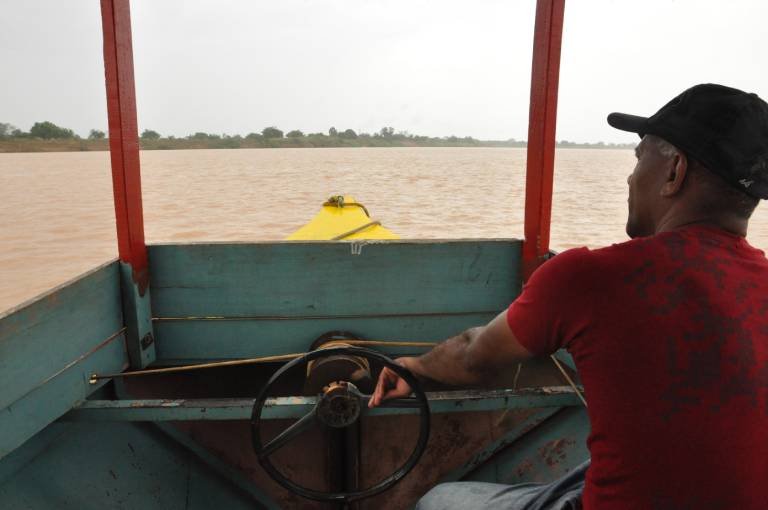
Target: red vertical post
point(124, 134)
point(545, 74)
point(126, 179)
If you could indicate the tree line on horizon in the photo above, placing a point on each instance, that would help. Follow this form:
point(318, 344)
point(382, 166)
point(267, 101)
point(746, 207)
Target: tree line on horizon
point(269, 137)
point(46, 131)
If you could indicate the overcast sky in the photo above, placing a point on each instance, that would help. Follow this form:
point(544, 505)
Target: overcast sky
point(439, 67)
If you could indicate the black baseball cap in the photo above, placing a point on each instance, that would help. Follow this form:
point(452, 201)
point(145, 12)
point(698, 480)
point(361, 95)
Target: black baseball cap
point(725, 129)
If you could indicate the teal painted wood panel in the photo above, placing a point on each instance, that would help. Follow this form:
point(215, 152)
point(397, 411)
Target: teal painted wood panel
point(180, 342)
point(232, 474)
point(296, 407)
point(129, 466)
point(42, 337)
point(36, 446)
point(330, 278)
point(46, 403)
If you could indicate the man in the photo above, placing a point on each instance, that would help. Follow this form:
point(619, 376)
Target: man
point(669, 331)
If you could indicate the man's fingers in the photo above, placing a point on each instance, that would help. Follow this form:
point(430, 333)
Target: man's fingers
point(390, 385)
point(387, 379)
point(378, 393)
point(399, 391)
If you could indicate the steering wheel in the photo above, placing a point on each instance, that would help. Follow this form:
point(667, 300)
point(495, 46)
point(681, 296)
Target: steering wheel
point(338, 406)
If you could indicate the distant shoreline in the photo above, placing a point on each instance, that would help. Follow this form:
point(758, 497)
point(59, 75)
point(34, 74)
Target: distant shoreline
point(48, 137)
point(24, 145)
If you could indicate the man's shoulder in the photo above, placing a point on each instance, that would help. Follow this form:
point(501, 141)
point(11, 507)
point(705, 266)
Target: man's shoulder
point(585, 264)
point(572, 267)
point(627, 250)
point(573, 259)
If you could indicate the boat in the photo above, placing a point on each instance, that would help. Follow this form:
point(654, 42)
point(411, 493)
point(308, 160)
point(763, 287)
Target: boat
point(234, 375)
point(342, 218)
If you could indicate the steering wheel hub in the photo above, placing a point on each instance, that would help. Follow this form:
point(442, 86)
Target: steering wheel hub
point(338, 407)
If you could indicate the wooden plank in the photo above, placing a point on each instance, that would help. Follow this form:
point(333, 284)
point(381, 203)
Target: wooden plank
point(46, 335)
point(331, 278)
point(46, 403)
point(296, 407)
point(182, 342)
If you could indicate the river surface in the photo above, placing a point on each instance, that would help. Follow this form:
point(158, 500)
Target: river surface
point(57, 215)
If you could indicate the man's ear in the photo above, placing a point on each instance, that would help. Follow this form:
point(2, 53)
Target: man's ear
point(676, 172)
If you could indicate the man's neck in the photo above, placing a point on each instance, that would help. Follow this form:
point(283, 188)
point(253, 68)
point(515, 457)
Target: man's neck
point(729, 223)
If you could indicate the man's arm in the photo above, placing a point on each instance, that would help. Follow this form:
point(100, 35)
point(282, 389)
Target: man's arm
point(473, 358)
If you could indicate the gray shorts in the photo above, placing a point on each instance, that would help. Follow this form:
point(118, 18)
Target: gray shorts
point(562, 494)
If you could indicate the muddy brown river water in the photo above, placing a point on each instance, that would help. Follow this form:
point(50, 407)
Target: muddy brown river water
point(57, 216)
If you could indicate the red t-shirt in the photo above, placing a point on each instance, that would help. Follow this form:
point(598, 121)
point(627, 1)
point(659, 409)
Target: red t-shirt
point(670, 338)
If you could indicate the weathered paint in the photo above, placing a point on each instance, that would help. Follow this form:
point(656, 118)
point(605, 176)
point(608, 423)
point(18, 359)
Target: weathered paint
point(123, 465)
point(140, 335)
point(124, 137)
point(30, 450)
point(41, 406)
point(186, 342)
point(545, 73)
point(50, 346)
point(323, 278)
point(296, 407)
point(42, 337)
point(230, 473)
point(512, 435)
point(126, 179)
point(276, 298)
point(548, 451)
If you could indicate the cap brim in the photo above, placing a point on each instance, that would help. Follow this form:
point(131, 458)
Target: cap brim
point(631, 123)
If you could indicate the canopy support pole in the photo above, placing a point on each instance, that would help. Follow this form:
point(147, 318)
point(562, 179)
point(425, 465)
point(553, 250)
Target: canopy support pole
point(126, 180)
point(542, 122)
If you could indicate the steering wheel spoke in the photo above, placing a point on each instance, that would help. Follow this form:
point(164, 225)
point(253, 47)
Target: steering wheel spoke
point(298, 427)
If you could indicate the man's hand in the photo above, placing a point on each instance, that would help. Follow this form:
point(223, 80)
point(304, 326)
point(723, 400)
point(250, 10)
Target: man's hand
point(472, 359)
point(391, 385)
